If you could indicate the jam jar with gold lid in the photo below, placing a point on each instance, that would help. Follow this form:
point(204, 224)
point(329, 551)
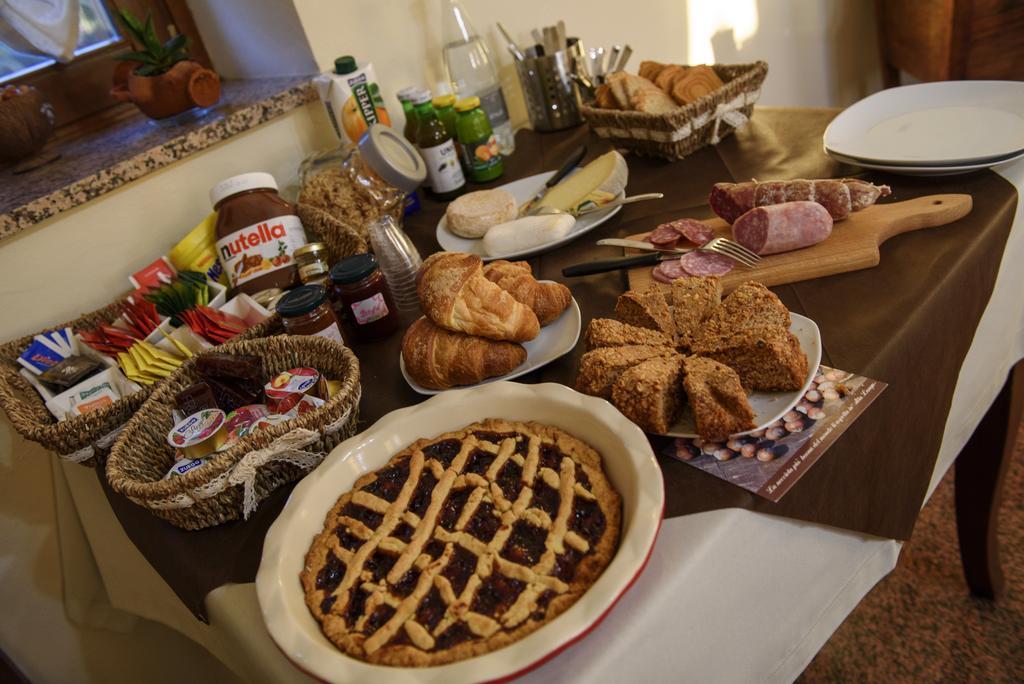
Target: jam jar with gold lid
point(306, 310)
point(362, 298)
point(314, 268)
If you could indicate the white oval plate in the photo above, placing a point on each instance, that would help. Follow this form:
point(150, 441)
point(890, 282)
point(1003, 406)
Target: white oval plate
point(929, 170)
point(628, 461)
point(555, 339)
point(950, 122)
point(522, 189)
point(770, 406)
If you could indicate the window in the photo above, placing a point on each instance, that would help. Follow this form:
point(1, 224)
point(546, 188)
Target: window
point(81, 87)
point(95, 30)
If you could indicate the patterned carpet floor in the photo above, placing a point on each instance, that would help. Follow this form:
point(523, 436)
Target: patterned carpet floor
point(920, 624)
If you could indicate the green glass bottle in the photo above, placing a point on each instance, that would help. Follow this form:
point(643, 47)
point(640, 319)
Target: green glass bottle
point(438, 149)
point(478, 146)
point(405, 96)
point(444, 107)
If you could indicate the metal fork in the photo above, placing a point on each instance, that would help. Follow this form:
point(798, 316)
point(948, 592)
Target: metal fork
point(724, 246)
point(731, 249)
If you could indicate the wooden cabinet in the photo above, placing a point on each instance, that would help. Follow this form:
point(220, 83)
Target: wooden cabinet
point(939, 40)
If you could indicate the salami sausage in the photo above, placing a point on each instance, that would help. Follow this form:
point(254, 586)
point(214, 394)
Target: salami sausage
point(693, 230)
point(839, 197)
point(663, 236)
point(667, 271)
point(732, 200)
point(705, 264)
point(782, 227)
point(864, 194)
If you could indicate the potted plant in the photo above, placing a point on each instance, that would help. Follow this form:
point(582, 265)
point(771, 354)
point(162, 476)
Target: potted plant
point(160, 79)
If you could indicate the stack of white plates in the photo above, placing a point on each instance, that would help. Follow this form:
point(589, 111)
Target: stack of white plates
point(932, 129)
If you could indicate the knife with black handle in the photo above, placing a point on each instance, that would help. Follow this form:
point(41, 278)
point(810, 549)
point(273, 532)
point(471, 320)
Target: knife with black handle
point(570, 163)
point(618, 263)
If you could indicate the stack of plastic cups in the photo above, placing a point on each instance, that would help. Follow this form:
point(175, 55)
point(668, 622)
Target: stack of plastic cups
point(399, 260)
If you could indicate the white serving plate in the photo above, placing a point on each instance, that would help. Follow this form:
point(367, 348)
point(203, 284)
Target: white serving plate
point(555, 340)
point(770, 406)
point(523, 190)
point(628, 461)
point(925, 170)
point(949, 122)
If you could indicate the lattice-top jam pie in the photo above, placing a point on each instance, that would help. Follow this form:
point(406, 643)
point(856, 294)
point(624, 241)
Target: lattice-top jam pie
point(462, 544)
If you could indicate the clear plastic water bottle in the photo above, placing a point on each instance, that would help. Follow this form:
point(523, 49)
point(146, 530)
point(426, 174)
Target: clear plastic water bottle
point(471, 70)
point(398, 258)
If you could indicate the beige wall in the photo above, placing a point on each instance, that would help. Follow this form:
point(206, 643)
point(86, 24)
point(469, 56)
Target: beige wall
point(820, 52)
point(81, 259)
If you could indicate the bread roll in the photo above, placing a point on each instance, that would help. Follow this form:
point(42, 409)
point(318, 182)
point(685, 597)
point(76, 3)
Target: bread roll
point(650, 70)
point(669, 75)
point(455, 295)
point(697, 82)
point(470, 215)
point(438, 359)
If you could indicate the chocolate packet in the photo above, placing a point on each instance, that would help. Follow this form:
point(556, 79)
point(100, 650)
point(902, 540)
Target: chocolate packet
point(234, 380)
point(69, 373)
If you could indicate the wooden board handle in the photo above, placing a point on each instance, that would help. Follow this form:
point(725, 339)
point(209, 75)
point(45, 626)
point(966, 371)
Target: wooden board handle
point(894, 218)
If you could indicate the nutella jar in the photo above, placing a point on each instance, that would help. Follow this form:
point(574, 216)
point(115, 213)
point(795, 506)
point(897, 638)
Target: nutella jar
point(362, 298)
point(307, 311)
point(257, 234)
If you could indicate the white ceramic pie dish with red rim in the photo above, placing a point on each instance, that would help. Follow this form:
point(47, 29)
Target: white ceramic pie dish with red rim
point(629, 463)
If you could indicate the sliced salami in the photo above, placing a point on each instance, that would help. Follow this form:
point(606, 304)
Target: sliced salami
point(667, 271)
point(705, 264)
point(694, 231)
point(663, 236)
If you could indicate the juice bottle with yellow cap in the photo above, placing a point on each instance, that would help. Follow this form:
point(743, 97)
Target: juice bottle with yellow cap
point(444, 107)
point(478, 146)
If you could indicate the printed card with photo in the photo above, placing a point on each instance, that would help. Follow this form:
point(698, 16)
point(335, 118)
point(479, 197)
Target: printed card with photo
point(771, 460)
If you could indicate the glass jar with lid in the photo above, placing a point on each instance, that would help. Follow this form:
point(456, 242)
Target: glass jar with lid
point(312, 263)
point(363, 299)
point(357, 183)
point(306, 310)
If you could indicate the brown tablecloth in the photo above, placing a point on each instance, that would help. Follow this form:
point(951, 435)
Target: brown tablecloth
point(908, 322)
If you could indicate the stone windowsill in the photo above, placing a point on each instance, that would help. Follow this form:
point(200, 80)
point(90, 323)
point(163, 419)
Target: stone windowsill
point(95, 164)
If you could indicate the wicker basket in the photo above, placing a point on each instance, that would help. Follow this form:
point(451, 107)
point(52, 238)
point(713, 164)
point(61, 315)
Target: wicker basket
point(81, 439)
point(341, 239)
point(233, 482)
point(689, 128)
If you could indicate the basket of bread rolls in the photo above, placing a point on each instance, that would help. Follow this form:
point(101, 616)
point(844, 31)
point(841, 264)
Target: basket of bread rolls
point(671, 110)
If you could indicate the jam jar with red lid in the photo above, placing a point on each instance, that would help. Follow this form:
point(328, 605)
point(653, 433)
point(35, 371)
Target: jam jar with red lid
point(306, 310)
point(257, 233)
point(362, 297)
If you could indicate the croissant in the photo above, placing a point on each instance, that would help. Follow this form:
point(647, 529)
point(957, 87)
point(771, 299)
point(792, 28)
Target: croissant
point(438, 359)
point(548, 300)
point(455, 295)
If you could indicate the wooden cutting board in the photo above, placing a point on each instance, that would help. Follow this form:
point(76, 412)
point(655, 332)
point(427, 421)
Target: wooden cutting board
point(852, 246)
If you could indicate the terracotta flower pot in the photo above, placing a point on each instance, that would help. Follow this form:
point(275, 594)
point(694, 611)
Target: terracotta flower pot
point(186, 85)
point(26, 122)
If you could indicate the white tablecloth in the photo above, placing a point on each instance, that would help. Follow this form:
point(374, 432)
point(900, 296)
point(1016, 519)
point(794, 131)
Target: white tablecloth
point(777, 586)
